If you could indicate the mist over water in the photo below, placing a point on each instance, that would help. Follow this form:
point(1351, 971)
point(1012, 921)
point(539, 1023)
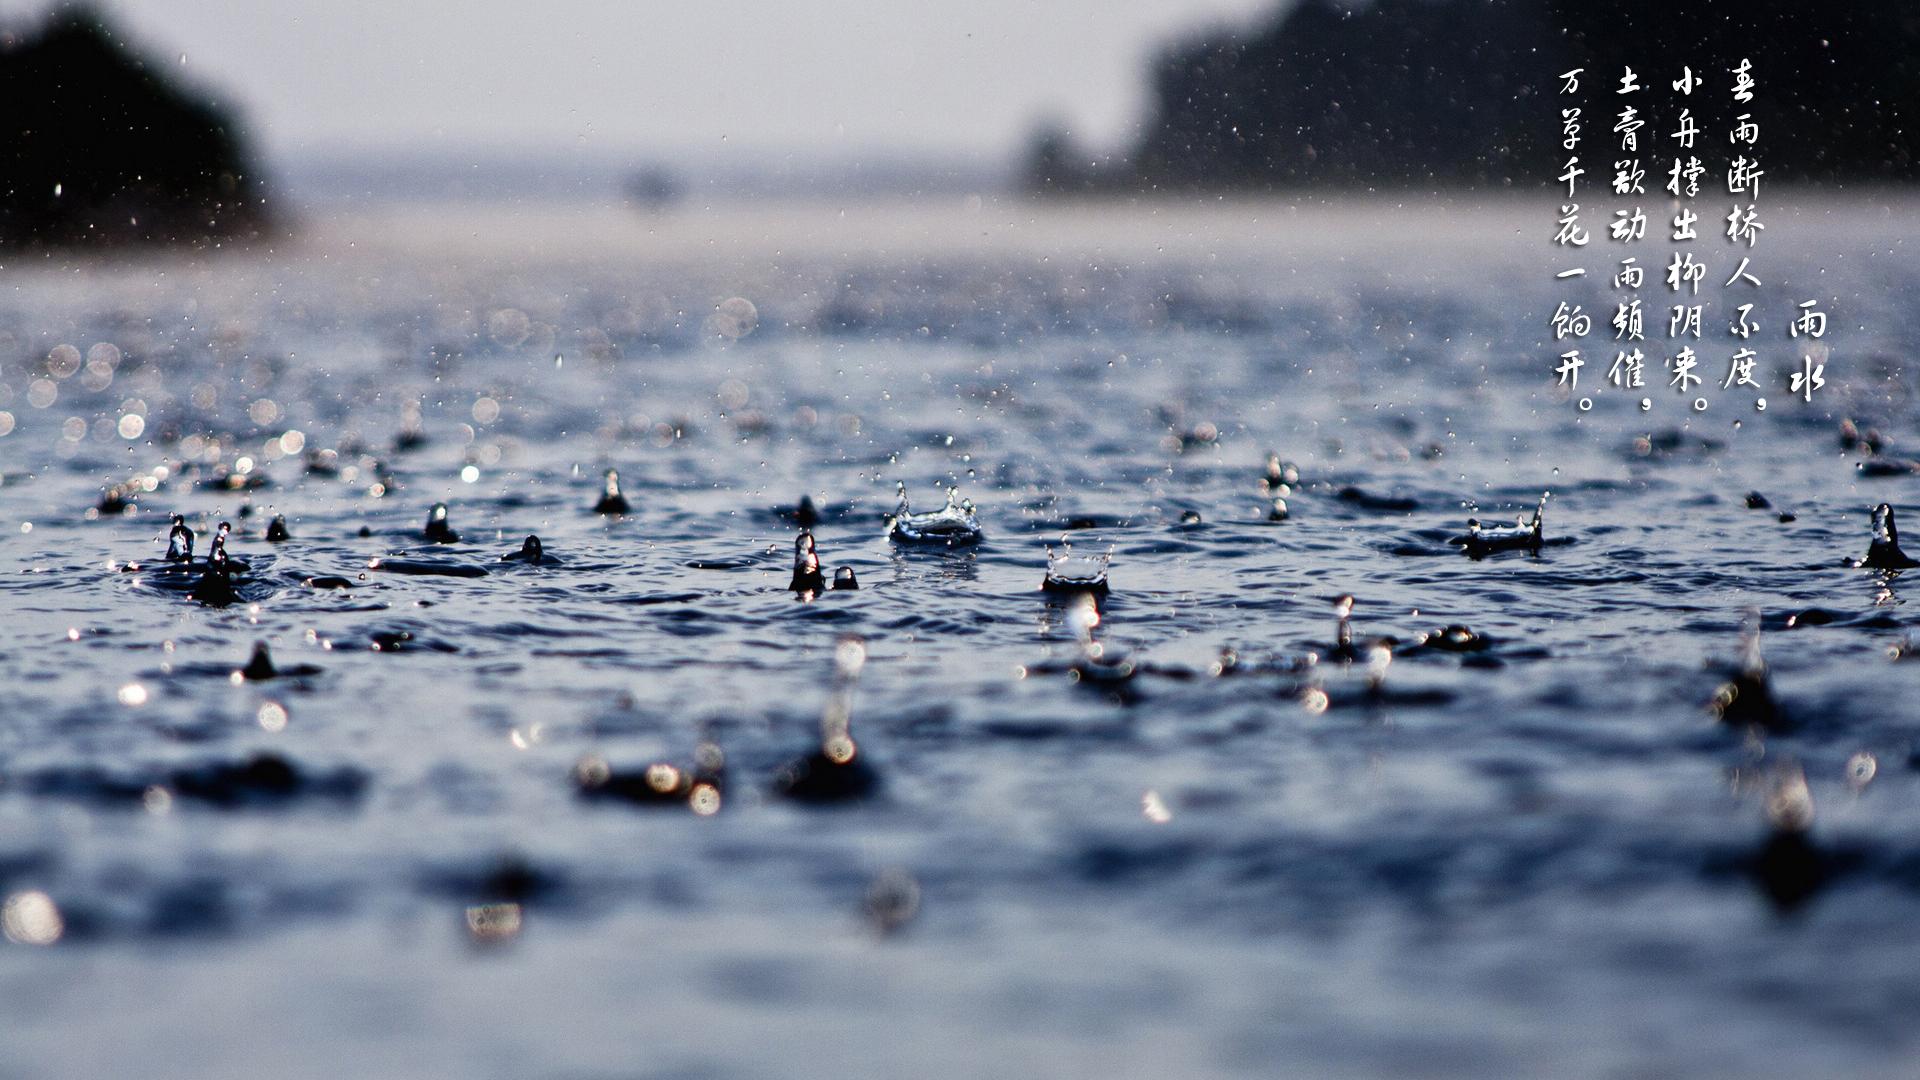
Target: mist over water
point(1176, 834)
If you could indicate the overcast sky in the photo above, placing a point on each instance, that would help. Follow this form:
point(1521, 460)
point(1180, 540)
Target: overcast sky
point(840, 78)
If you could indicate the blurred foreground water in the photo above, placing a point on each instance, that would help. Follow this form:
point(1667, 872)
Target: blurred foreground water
point(1544, 857)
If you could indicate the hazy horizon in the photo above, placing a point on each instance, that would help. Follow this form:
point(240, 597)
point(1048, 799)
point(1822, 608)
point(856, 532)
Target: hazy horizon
point(747, 81)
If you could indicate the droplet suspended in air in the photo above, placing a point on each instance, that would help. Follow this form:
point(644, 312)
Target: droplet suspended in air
point(31, 918)
point(734, 318)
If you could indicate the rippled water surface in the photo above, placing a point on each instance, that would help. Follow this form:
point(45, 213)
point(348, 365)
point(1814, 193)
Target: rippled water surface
point(1250, 858)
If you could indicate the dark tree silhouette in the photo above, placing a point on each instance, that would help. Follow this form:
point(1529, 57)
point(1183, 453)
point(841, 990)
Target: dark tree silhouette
point(98, 146)
point(1451, 93)
point(1055, 163)
point(1839, 84)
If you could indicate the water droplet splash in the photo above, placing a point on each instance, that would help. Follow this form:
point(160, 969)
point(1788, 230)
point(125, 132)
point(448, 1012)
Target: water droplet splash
point(215, 587)
point(1746, 700)
point(179, 541)
point(837, 772)
point(531, 552)
point(1482, 540)
point(611, 501)
point(953, 524)
point(1068, 572)
point(438, 530)
point(1884, 553)
point(1281, 476)
point(806, 565)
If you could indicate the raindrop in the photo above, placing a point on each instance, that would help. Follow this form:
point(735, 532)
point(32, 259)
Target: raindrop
point(1861, 768)
point(31, 918)
point(734, 318)
point(63, 361)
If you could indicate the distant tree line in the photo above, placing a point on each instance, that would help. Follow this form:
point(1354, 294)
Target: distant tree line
point(1464, 93)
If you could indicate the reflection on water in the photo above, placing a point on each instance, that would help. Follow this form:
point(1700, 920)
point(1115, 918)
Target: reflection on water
point(1480, 821)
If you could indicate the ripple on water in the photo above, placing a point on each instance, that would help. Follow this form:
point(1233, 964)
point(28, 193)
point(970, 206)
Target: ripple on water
point(1400, 827)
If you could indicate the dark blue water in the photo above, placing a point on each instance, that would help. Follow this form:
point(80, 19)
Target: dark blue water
point(1544, 857)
